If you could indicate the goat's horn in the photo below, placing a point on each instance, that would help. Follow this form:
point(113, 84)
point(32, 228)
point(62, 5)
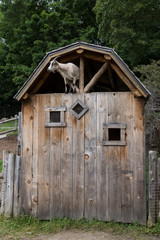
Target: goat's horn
point(56, 58)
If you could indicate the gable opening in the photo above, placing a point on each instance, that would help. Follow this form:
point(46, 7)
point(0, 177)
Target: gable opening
point(97, 74)
point(109, 81)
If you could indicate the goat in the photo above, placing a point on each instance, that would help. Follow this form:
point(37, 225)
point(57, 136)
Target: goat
point(69, 72)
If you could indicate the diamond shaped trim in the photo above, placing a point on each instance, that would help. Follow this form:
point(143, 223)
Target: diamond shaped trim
point(78, 109)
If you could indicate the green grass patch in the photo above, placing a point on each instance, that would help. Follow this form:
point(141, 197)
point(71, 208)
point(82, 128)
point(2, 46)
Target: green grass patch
point(7, 126)
point(1, 165)
point(31, 227)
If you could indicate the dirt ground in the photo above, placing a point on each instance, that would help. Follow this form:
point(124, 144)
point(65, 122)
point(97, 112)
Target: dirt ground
point(8, 143)
point(81, 235)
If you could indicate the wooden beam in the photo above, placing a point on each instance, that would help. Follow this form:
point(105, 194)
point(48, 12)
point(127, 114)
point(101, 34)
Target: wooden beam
point(69, 58)
point(81, 80)
point(96, 77)
point(107, 57)
point(125, 79)
point(26, 96)
point(137, 93)
point(80, 51)
point(94, 56)
point(40, 83)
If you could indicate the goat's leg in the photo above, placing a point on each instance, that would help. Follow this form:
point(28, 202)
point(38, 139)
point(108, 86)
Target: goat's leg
point(70, 85)
point(65, 82)
point(74, 85)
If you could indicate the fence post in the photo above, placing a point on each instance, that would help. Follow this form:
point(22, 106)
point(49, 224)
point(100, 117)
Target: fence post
point(4, 182)
point(16, 210)
point(152, 188)
point(19, 133)
point(10, 186)
point(158, 187)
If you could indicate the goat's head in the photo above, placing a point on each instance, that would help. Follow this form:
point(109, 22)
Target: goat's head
point(53, 65)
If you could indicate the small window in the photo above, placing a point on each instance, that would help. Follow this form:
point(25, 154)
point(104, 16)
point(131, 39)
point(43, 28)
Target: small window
point(114, 134)
point(55, 117)
point(78, 109)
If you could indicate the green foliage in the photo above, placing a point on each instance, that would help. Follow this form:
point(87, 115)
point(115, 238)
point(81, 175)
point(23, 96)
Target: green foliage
point(150, 75)
point(7, 126)
point(132, 28)
point(30, 28)
point(31, 227)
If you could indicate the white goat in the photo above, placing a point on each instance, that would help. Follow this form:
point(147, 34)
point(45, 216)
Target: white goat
point(69, 72)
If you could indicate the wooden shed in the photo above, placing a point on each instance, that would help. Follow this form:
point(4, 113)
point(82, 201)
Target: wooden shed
point(83, 154)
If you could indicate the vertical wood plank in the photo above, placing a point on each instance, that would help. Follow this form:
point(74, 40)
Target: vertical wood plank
point(4, 182)
point(152, 188)
point(26, 170)
point(43, 161)
point(81, 80)
point(102, 161)
point(112, 153)
point(35, 159)
point(16, 208)
point(126, 111)
point(139, 176)
point(19, 133)
point(55, 163)
point(78, 163)
point(10, 186)
point(67, 160)
point(90, 156)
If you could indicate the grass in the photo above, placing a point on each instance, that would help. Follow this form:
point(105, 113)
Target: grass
point(1, 165)
point(31, 227)
point(7, 126)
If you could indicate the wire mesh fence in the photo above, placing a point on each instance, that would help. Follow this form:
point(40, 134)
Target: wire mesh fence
point(154, 188)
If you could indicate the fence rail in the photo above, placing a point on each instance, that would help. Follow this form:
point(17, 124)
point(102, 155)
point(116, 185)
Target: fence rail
point(10, 120)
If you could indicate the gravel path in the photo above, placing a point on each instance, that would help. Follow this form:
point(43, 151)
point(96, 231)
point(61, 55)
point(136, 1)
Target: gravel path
point(80, 235)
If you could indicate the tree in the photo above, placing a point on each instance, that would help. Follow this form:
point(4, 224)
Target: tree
point(131, 28)
point(30, 28)
point(150, 75)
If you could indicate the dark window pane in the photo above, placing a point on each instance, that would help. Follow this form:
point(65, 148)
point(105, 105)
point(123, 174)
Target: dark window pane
point(78, 108)
point(55, 116)
point(114, 134)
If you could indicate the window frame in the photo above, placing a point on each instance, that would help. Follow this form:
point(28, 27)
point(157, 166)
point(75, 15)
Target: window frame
point(83, 105)
point(48, 122)
point(121, 142)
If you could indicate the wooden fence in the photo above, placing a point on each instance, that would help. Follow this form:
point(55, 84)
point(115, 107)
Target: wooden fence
point(10, 199)
point(154, 189)
point(10, 185)
point(10, 120)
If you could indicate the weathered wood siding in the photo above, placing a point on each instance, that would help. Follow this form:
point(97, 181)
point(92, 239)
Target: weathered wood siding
point(68, 172)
